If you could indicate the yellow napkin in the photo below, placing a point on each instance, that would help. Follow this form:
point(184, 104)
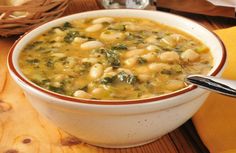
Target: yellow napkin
point(216, 120)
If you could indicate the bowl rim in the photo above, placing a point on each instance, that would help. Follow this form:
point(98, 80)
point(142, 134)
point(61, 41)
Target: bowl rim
point(12, 68)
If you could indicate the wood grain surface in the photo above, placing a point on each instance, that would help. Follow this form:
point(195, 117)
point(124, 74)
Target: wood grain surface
point(23, 130)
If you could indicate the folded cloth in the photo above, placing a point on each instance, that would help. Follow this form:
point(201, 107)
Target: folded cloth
point(216, 120)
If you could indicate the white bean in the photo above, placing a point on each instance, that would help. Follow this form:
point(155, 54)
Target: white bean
point(133, 27)
point(151, 40)
point(111, 35)
point(94, 28)
point(132, 48)
point(59, 55)
point(96, 71)
point(158, 67)
point(177, 37)
point(96, 55)
point(79, 40)
point(72, 61)
point(81, 94)
point(181, 76)
point(144, 77)
point(169, 41)
point(57, 44)
point(169, 56)
point(150, 57)
point(59, 77)
point(90, 60)
point(58, 38)
point(59, 32)
point(109, 74)
point(152, 48)
point(142, 69)
point(108, 69)
point(134, 52)
point(174, 85)
point(189, 55)
point(56, 84)
point(130, 62)
point(103, 20)
point(98, 91)
point(91, 45)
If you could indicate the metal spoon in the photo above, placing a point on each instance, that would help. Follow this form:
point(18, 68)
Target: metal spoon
point(222, 86)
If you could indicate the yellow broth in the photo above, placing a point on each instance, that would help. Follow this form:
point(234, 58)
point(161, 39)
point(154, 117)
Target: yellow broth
point(113, 58)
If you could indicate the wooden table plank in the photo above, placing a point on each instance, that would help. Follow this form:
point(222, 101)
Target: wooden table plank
point(39, 135)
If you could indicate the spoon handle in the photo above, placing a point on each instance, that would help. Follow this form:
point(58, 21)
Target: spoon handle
point(222, 86)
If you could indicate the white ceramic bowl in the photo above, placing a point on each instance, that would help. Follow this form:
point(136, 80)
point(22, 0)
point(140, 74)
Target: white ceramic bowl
point(125, 123)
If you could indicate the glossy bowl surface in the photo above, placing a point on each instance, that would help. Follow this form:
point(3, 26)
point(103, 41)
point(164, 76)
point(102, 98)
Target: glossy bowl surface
point(126, 123)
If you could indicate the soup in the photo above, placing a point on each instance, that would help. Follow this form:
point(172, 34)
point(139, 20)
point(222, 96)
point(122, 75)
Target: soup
point(112, 58)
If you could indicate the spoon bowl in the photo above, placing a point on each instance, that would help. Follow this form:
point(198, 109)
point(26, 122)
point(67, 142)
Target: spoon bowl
point(219, 85)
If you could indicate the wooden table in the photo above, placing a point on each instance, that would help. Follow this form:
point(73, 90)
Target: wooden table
point(23, 130)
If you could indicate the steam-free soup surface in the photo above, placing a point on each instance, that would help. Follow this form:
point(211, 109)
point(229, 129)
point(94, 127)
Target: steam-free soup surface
point(113, 58)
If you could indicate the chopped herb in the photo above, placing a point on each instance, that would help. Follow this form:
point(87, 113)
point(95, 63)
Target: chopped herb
point(41, 82)
point(85, 88)
point(49, 63)
point(119, 27)
point(66, 81)
point(132, 36)
point(45, 81)
point(56, 89)
point(40, 49)
point(99, 50)
point(165, 48)
point(119, 47)
point(33, 61)
point(141, 60)
point(33, 45)
point(201, 49)
point(132, 79)
point(65, 26)
point(62, 59)
point(113, 58)
point(127, 78)
point(135, 36)
point(159, 34)
point(84, 68)
point(37, 82)
point(122, 76)
point(86, 64)
point(139, 41)
point(177, 69)
point(205, 62)
point(178, 50)
point(105, 23)
point(70, 36)
point(52, 42)
point(107, 80)
point(167, 72)
point(88, 38)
